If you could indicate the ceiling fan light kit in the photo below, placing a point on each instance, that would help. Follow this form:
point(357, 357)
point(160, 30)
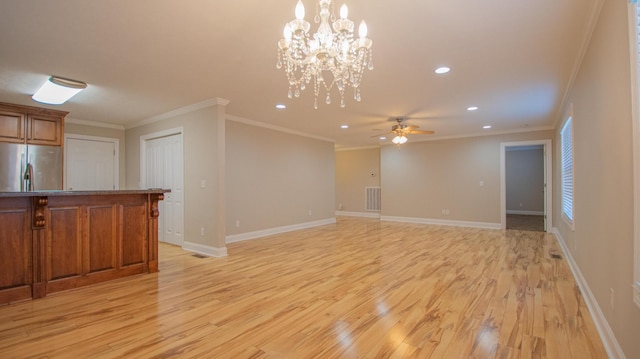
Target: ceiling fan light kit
point(398, 140)
point(401, 130)
point(331, 57)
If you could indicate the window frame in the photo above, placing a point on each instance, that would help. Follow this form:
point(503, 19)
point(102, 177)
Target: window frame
point(568, 120)
point(634, 48)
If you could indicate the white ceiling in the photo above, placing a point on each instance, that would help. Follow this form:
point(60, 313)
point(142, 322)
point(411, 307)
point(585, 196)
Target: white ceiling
point(514, 59)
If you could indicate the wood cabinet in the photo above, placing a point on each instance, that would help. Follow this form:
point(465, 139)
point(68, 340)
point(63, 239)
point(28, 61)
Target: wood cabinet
point(16, 275)
point(54, 241)
point(31, 125)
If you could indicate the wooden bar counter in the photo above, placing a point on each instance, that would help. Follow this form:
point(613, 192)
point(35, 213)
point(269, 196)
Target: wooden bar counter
point(57, 240)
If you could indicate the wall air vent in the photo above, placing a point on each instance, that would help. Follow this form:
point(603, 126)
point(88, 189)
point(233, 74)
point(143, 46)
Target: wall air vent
point(372, 199)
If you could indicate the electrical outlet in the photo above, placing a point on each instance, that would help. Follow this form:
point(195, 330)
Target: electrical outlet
point(309, 212)
point(202, 231)
point(237, 223)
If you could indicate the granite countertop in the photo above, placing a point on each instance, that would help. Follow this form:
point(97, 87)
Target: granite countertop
point(82, 193)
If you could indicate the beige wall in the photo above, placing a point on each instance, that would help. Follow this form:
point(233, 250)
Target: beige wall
point(274, 179)
point(201, 149)
point(78, 129)
point(355, 170)
point(524, 179)
point(420, 179)
point(602, 243)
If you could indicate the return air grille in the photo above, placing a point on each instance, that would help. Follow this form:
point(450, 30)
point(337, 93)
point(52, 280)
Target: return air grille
point(372, 198)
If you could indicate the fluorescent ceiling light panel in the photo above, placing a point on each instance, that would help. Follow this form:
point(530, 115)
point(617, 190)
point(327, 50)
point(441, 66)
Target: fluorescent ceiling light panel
point(58, 90)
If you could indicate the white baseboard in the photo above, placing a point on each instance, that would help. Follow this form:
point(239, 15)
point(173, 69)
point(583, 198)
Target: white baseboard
point(526, 213)
point(359, 214)
point(272, 231)
point(442, 222)
point(609, 340)
point(204, 249)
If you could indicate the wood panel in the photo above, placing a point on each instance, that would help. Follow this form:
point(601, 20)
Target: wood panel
point(12, 127)
point(45, 130)
point(134, 237)
point(358, 289)
point(64, 243)
point(16, 275)
point(102, 229)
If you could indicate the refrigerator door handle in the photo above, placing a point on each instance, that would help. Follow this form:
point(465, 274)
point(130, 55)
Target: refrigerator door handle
point(28, 177)
point(22, 170)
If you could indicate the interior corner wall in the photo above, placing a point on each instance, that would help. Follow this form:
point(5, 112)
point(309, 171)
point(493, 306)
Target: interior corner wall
point(276, 179)
point(355, 170)
point(524, 181)
point(200, 146)
point(421, 179)
point(85, 130)
point(602, 243)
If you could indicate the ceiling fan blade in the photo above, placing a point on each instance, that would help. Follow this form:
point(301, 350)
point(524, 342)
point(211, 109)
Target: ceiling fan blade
point(421, 132)
point(382, 134)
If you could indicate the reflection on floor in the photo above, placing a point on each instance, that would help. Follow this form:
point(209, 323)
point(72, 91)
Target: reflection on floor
point(525, 222)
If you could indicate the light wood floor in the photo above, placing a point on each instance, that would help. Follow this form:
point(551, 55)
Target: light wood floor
point(358, 289)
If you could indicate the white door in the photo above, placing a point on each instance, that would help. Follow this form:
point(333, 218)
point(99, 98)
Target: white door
point(164, 169)
point(91, 164)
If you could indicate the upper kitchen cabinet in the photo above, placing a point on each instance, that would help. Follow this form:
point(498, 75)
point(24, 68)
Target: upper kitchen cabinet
point(31, 125)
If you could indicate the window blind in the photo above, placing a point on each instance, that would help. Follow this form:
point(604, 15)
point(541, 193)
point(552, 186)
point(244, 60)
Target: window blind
point(566, 148)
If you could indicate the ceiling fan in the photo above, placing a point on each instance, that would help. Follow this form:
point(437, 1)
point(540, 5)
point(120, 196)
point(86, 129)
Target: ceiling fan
point(401, 130)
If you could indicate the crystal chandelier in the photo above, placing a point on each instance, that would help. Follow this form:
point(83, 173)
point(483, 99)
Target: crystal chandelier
point(330, 57)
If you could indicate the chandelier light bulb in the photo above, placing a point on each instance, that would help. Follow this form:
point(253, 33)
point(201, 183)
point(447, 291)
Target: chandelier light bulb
point(344, 11)
point(299, 10)
point(362, 29)
point(287, 32)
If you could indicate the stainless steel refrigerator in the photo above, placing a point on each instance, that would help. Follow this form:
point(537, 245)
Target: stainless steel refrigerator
point(30, 167)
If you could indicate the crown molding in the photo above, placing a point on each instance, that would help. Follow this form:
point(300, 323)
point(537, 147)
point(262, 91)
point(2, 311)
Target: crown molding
point(180, 111)
point(276, 128)
point(590, 27)
point(76, 121)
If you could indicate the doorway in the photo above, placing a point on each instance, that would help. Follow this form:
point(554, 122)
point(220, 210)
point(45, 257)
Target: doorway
point(161, 160)
point(91, 163)
point(526, 185)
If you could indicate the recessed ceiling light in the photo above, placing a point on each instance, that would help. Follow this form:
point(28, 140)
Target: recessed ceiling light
point(344, 126)
point(442, 70)
point(486, 127)
point(472, 108)
point(281, 106)
point(383, 138)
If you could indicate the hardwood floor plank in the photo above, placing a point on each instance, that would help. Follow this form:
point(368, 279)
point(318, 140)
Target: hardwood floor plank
point(358, 289)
